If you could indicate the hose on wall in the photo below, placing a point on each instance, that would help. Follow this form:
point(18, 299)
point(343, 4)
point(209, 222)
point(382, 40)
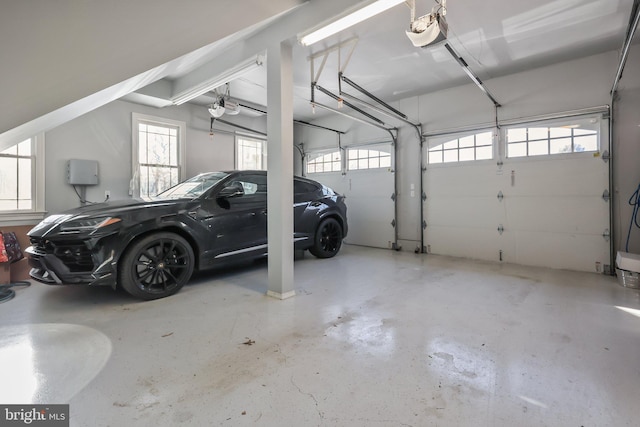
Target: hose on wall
point(634, 201)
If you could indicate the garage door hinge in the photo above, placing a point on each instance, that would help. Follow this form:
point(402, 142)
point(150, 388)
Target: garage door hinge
point(606, 196)
point(393, 197)
point(501, 229)
point(424, 225)
point(500, 196)
point(606, 156)
point(393, 223)
point(606, 235)
point(424, 197)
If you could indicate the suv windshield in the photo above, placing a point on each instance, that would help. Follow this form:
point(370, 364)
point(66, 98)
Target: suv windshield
point(193, 187)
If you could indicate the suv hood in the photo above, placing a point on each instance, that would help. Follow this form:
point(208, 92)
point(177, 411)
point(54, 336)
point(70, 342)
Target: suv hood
point(122, 209)
point(119, 207)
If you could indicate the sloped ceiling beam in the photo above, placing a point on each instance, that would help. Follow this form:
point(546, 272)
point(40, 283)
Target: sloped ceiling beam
point(65, 58)
point(284, 28)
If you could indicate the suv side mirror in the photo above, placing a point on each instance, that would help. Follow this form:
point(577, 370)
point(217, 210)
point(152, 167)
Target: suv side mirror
point(234, 189)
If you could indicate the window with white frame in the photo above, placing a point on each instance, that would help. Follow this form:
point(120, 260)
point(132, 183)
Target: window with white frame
point(478, 146)
point(158, 153)
point(324, 162)
point(251, 153)
point(22, 179)
point(569, 136)
point(367, 159)
point(16, 165)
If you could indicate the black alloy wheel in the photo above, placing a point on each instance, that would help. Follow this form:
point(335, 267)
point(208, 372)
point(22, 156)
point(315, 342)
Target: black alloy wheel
point(156, 266)
point(328, 239)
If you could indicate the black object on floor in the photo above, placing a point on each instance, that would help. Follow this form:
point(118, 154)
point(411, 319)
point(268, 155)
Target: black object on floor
point(6, 291)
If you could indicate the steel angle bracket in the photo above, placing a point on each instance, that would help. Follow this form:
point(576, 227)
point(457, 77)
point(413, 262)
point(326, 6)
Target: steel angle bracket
point(324, 55)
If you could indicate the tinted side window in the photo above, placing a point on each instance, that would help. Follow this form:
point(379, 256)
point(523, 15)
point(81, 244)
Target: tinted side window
point(254, 185)
point(301, 187)
point(255, 192)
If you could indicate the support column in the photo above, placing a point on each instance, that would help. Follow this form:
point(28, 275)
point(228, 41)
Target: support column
point(280, 170)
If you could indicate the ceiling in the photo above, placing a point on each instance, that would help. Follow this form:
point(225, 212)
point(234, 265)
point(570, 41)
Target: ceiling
point(495, 37)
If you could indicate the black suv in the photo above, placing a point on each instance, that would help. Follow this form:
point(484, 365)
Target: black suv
point(151, 248)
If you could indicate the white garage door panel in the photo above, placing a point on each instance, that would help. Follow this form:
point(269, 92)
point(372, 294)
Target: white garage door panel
point(375, 183)
point(366, 229)
point(584, 176)
point(569, 251)
point(587, 215)
point(370, 208)
point(472, 180)
point(467, 242)
point(334, 180)
point(552, 212)
point(461, 211)
point(556, 213)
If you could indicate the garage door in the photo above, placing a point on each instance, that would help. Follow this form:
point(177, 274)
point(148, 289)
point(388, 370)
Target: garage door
point(367, 180)
point(537, 198)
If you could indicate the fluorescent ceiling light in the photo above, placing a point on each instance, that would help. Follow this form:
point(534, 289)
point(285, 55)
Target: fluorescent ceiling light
point(233, 73)
point(347, 19)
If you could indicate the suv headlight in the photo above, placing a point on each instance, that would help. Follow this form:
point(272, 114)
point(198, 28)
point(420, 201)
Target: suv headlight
point(87, 224)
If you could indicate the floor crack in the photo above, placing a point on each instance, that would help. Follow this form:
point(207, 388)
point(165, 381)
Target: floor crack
point(320, 413)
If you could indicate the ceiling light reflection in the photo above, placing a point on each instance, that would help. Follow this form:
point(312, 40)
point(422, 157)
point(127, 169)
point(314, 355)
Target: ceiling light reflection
point(369, 334)
point(18, 378)
point(461, 363)
point(533, 402)
point(49, 362)
point(531, 33)
point(632, 311)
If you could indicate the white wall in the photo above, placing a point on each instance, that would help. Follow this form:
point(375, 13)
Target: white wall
point(566, 86)
point(626, 149)
point(105, 135)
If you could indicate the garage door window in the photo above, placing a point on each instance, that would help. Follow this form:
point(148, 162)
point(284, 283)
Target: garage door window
point(158, 154)
point(251, 154)
point(572, 136)
point(368, 159)
point(463, 149)
point(329, 162)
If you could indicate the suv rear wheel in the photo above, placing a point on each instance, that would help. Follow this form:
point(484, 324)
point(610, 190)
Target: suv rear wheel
point(328, 239)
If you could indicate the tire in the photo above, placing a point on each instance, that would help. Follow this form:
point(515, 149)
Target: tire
point(156, 266)
point(328, 239)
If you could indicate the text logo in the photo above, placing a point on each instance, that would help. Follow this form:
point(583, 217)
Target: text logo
point(34, 415)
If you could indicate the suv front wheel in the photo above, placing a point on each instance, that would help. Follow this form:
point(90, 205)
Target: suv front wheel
point(156, 266)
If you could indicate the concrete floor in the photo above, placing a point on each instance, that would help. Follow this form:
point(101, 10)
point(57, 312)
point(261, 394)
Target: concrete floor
point(373, 338)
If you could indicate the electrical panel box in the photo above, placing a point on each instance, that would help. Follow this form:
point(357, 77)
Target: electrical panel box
point(82, 172)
